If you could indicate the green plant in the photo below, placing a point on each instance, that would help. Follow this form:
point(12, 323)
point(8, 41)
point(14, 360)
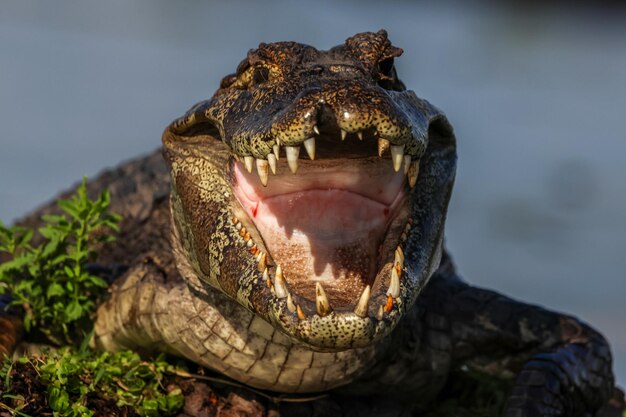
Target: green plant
point(73, 378)
point(49, 280)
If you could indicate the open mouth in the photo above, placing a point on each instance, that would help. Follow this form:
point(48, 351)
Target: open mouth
point(325, 224)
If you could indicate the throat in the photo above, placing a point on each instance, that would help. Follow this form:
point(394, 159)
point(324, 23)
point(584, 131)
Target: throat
point(327, 229)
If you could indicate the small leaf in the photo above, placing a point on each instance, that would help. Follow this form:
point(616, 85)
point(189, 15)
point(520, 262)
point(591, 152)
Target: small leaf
point(70, 208)
point(98, 282)
point(59, 400)
point(68, 271)
point(50, 248)
point(73, 311)
point(55, 289)
point(53, 218)
point(50, 232)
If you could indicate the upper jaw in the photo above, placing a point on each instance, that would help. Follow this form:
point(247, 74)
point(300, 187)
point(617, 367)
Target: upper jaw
point(338, 108)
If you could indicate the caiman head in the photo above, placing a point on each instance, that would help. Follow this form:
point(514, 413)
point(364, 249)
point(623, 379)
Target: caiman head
point(312, 188)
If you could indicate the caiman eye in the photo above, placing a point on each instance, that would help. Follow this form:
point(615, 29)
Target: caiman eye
point(260, 75)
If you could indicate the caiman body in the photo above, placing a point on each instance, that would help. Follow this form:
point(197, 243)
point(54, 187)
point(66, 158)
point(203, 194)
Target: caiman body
point(303, 272)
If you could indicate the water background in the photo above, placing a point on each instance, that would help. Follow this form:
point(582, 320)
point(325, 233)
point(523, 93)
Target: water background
point(537, 97)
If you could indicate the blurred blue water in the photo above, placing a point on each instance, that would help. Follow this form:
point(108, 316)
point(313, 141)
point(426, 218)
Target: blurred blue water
point(537, 98)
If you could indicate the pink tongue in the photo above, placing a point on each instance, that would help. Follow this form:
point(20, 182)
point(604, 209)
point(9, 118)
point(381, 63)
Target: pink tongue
point(331, 216)
point(329, 236)
point(326, 235)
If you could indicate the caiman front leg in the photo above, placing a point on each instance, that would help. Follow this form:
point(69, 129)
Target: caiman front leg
point(562, 365)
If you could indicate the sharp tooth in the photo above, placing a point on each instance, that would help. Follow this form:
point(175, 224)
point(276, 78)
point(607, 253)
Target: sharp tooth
point(397, 155)
point(248, 161)
point(280, 286)
point(414, 170)
point(271, 159)
point(363, 304)
point(394, 285)
point(266, 278)
point(262, 168)
point(290, 305)
point(292, 157)
point(389, 305)
point(407, 163)
point(309, 145)
point(276, 149)
point(301, 314)
point(399, 256)
point(343, 134)
point(383, 145)
point(360, 135)
point(263, 262)
point(321, 301)
point(379, 314)
point(315, 129)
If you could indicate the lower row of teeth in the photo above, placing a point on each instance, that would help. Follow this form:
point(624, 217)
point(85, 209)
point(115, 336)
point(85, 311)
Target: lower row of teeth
point(264, 166)
point(322, 305)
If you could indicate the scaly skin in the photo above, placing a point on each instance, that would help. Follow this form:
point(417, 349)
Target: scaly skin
point(200, 281)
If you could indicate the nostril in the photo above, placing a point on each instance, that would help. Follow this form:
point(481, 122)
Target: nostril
point(440, 132)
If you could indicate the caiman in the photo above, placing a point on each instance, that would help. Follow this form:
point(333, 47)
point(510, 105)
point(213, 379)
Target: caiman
point(293, 240)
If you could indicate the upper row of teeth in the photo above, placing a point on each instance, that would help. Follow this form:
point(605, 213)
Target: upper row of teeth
point(322, 305)
point(263, 166)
